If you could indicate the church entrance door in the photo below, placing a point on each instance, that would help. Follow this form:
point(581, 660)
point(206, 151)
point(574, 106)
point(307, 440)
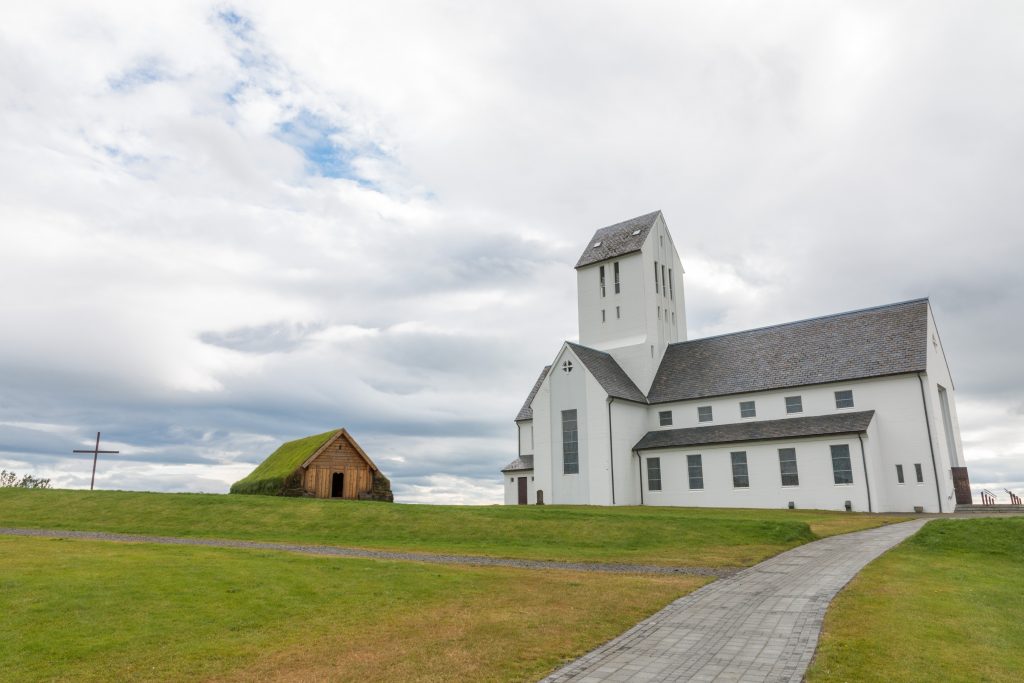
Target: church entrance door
point(522, 491)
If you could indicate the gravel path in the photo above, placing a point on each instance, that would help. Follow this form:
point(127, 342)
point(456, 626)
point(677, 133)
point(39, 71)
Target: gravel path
point(761, 624)
point(334, 551)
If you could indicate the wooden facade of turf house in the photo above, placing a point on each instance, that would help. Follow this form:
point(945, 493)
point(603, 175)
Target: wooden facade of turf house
point(328, 465)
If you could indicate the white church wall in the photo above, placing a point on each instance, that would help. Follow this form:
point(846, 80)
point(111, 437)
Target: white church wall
point(542, 460)
point(512, 487)
point(816, 489)
point(525, 428)
point(629, 424)
point(568, 392)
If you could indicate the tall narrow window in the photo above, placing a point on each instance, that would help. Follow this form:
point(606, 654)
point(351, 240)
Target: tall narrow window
point(618, 313)
point(919, 472)
point(794, 404)
point(740, 477)
point(653, 474)
point(787, 467)
point(570, 443)
point(615, 267)
point(748, 409)
point(656, 290)
point(704, 414)
point(695, 471)
point(665, 418)
point(602, 315)
point(899, 474)
point(664, 286)
point(842, 471)
point(844, 399)
point(659, 312)
point(671, 286)
point(673, 317)
point(600, 271)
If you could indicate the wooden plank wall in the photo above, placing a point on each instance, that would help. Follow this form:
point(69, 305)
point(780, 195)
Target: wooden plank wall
point(338, 457)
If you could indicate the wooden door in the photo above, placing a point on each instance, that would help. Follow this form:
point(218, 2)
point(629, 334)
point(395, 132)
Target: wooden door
point(962, 486)
point(522, 491)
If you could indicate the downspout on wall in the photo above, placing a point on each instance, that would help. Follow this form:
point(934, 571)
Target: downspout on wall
point(640, 466)
point(611, 452)
point(864, 462)
point(931, 446)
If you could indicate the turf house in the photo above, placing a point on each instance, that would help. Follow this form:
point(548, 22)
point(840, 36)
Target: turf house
point(328, 465)
point(850, 411)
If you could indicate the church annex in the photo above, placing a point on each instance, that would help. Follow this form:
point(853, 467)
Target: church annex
point(850, 411)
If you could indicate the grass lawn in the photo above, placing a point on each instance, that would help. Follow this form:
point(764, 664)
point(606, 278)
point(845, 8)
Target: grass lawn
point(946, 605)
point(76, 610)
point(684, 536)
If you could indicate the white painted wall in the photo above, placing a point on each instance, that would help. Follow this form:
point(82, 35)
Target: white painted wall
point(512, 487)
point(525, 429)
point(568, 391)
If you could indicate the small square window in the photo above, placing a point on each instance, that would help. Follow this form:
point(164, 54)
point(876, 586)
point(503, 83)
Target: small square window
point(919, 472)
point(704, 414)
point(665, 418)
point(794, 404)
point(844, 399)
point(748, 409)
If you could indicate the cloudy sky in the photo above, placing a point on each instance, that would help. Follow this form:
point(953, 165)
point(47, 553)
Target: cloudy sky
point(224, 225)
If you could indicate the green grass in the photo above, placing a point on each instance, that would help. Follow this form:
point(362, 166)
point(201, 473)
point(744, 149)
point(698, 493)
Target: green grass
point(77, 610)
point(694, 537)
point(273, 474)
point(946, 605)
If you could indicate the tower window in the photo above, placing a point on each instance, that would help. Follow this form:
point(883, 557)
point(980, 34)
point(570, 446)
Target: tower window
point(664, 289)
point(602, 315)
point(600, 271)
point(615, 267)
point(618, 313)
point(656, 290)
point(671, 286)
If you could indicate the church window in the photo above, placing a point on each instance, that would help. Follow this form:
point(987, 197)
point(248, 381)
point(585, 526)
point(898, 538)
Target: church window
point(653, 474)
point(615, 267)
point(659, 312)
point(602, 315)
point(740, 476)
point(600, 271)
point(844, 399)
point(787, 467)
point(842, 470)
point(570, 443)
point(665, 418)
point(919, 472)
point(794, 404)
point(899, 474)
point(671, 286)
point(656, 290)
point(695, 471)
point(748, 409)
point(704, 414)
point(664, 288)
point(661, 239)
point(618, 313)
point(673, 317)
point(567, 366)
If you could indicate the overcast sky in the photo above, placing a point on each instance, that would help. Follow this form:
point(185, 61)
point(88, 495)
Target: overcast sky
point(225, 225)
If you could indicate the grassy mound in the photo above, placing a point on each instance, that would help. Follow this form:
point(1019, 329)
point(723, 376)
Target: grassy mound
point(278, 472)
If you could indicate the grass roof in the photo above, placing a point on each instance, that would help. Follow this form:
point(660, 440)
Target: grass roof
point(273, 475)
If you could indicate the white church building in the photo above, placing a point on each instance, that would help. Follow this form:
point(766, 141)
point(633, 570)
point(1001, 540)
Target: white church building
point(849, 411)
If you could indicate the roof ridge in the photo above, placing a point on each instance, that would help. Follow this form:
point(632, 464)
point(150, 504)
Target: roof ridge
point(806, 320)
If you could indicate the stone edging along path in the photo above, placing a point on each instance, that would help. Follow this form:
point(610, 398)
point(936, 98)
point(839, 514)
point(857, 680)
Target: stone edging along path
point(335, 551)
point(760, 624)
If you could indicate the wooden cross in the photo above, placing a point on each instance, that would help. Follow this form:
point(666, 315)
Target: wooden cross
point(95, 455)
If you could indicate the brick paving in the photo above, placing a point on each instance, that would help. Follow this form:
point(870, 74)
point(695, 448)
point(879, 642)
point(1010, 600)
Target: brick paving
point(760, 624)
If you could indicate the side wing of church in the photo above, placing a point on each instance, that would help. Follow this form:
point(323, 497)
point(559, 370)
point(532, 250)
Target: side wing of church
point(850, 411)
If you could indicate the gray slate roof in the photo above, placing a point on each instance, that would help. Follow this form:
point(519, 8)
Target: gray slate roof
point(618, 240)
point(526, 412)
point(873, 342)
point(765, 430)
point(523, 462)
point(608, 373)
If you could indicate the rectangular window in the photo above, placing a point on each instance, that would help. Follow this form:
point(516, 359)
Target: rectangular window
point(899, 474)
point(615, 266)
point(673, 317)
point(787, 467)
point(600, 271)
point(602, 315)
point(570, 443)
point(656, 290)
point(748, 409)
point(671, 286)
point(919, 472)
point(842, 471)
point(844, 399)
point(653, 474)
point(618, 313)
point(704, 414)
point(659, 312)
point(664, 286)
point(695, 471)
point(665, 418)
point(794, 404)
point(740, 479)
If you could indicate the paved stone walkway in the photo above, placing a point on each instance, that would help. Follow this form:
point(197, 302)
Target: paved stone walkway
point(336, 551)
point(761, 624)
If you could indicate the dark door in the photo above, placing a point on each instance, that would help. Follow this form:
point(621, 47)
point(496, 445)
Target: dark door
point(962, 486)
point(522, 491)
point(338, 485)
